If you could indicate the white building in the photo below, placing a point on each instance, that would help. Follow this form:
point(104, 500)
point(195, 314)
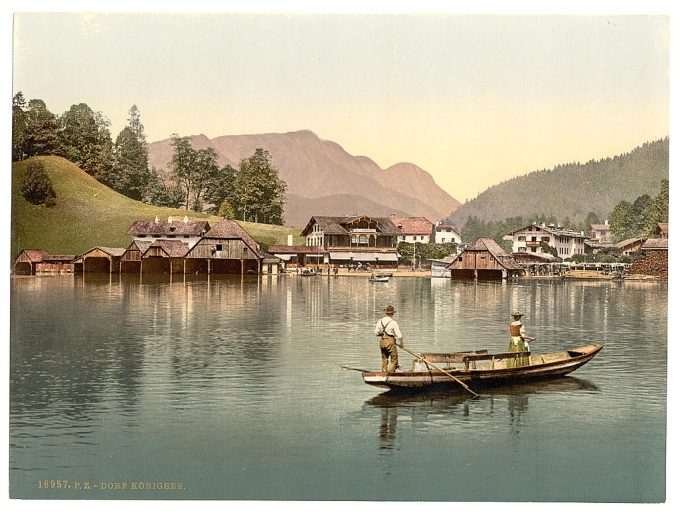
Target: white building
point(529, 240)
point(413, 229)
point(444, 233)
point(185, 231)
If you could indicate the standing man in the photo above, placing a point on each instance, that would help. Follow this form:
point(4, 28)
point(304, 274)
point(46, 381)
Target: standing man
point(519, 341)
point(388, 331)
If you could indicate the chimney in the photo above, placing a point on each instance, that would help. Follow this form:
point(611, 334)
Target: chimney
point(606, 222)
point(156, 219)
point(185, 219)
point(290, 240)
point(581, 233)
point(543, 224)
point(169, 219)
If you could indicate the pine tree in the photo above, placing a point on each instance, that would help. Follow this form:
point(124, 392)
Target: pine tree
point(658, 210)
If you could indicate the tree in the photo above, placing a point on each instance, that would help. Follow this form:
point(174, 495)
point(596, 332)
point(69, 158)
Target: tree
point(42, 130)
point(591, 218)
point(86, 141)
point(135, 124)
point(658, 210)
point(225, 210)
point(621, 221)
point(259, 193)
point(221, 188)
point(19, 127)
point(131, 165)
point(37, 187)
point(192, 170)
point(158, 194)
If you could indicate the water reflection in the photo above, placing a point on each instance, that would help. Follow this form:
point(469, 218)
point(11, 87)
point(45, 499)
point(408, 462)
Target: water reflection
point(449, 408)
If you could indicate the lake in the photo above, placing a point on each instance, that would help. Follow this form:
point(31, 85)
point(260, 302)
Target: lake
point(232, 388)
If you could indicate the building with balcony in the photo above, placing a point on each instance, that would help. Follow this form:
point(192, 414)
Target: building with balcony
point(531, 240)
point(353, 240)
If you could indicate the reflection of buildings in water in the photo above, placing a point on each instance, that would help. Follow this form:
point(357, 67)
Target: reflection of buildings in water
point(451, 407)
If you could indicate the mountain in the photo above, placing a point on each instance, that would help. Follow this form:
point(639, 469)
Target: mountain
point(89, 214)
point(573, 190)
point(323, 179)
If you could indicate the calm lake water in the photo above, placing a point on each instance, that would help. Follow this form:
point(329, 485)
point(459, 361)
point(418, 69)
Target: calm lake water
point(233, 388)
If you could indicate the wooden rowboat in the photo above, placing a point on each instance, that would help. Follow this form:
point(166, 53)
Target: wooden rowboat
point(379, 279)
point(480, 367)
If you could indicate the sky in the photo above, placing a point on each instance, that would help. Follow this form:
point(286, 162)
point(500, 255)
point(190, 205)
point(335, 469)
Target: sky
point(472, 99)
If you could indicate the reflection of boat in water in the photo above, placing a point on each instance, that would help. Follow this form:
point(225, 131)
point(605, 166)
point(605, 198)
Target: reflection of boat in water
point(447, 398)
point(308, 272)
point(479, 367)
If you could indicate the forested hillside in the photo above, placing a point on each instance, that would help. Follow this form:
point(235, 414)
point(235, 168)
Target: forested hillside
point(573, 190)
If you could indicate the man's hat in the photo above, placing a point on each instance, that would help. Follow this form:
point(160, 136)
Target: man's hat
point(389, 310)
point(517, 314)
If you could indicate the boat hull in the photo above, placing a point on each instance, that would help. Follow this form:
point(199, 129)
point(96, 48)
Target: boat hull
point(575, 358)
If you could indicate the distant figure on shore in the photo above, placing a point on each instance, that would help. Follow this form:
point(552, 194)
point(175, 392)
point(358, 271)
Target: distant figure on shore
point(519, 341)
point(388, 331)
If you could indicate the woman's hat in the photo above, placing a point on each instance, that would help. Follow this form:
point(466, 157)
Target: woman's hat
point(517, 314)
point(389, 310)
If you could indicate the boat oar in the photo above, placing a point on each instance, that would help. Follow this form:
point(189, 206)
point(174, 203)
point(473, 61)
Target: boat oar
point(421, 357)
point(346, 367)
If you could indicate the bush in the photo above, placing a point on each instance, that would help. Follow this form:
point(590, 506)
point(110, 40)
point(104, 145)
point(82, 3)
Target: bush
point(37, 187)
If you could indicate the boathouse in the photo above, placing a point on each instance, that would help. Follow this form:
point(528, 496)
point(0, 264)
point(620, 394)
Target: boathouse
point(56, 264)
point(484, 259)
point(655, 260)
point(226, 249)
point(26, 263)
point(105, 260)
point(164, 257)
point(131, 260)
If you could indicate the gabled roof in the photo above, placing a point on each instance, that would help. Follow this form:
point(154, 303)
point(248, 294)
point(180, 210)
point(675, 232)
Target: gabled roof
point(167, 228)
point(655, 244)
point(600, 227)
point(172, 248)
point(661, 228)
point(139, 245)
point(336, 224)
point(231, 230)
point(111, 251)
point(60, 257)
point(556, 231)
point(412, 224)
point(34, 255)
point(629, 241)
point(489, 245)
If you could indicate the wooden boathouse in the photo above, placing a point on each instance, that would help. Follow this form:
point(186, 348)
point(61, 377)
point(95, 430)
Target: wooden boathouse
point(484, 259)
point(164, 257)
point(28, 260)
point(228, 249)
point(105, 260)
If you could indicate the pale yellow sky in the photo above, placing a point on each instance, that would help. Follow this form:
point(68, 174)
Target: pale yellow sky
point(471, 99)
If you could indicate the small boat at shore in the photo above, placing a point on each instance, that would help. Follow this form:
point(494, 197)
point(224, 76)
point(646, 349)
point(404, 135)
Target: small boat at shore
point(480, 367)
point(379, 278)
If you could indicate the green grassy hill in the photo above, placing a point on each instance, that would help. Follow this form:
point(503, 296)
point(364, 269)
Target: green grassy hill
point(89, 214)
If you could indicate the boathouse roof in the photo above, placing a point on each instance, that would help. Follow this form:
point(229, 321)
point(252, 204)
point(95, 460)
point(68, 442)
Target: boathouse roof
point(34, 255)
point(172, 248)
point(230, 230)
point(655, 244)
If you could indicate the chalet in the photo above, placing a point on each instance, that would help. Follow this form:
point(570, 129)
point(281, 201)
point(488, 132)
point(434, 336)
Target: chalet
point(661, 231)
point(413, 229)
point(484, 259)
point(630, 246)
point(444, 233)
point(185, 231)
point(530, 240)
point(26, 263)
point(228, 249)
point(601, 233)
point(350, 240)
point(100, 260)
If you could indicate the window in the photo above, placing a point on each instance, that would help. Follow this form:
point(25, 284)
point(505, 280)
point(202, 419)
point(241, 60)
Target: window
point(422, 238)
point(521, 238)
point(363, 240)
point(522, 249)
point(218, 248)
